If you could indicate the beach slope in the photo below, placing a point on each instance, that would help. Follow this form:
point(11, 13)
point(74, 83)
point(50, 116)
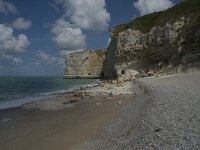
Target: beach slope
point(165, 114)
point(149, 113)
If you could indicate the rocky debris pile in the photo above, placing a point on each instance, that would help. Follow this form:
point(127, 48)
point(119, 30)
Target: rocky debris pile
point(146, 73)
point(126, 75)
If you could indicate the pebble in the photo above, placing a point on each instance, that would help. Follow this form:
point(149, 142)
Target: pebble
point(119, 103)
point(98, 104)
point(111, 94)
point(107, 98)
point(5, 120)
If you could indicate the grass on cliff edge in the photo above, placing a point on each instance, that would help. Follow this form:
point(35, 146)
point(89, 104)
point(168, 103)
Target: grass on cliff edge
point(187, 9)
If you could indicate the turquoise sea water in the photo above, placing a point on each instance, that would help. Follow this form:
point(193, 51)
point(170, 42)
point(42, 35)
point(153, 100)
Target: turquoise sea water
point(15, 91)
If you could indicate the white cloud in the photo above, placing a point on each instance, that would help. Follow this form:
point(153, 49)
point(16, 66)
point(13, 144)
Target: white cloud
point(54, 6)
point(18, 61)
point(150, 6)
point(49, 59)
point(21, 24)
point(68, 37)
point(10, 59)
point(7, 7)
point(11, 45)
point(61, 60)
point(79, 15)
point(87, 14)
point(64, 53)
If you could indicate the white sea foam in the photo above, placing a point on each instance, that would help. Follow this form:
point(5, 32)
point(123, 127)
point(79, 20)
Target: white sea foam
point(19, 102)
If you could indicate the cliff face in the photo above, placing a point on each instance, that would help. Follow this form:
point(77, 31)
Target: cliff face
point(132, 49)
point(161, 48)
point(85, 64)
point(161, 42)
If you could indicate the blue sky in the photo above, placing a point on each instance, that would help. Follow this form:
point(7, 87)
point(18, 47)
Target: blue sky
point(35, 36)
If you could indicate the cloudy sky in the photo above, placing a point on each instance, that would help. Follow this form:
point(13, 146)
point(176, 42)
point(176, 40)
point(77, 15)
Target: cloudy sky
point(35, 36)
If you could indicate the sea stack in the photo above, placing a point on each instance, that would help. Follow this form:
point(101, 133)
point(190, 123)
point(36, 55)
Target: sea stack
point(85, 64)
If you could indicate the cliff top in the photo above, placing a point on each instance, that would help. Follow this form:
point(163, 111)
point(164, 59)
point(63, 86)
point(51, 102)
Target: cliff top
point(99, 52)
point(189, 9)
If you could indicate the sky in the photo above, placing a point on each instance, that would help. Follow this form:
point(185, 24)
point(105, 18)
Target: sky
point(36, 36)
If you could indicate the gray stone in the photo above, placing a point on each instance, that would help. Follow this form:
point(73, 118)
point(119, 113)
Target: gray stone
point(85, 64)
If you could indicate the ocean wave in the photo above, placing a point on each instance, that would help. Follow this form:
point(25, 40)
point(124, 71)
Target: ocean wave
point(15, 103)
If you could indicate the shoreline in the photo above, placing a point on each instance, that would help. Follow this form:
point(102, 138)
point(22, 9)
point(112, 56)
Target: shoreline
point(144, 114)
point(64, 120)
point(17, 103)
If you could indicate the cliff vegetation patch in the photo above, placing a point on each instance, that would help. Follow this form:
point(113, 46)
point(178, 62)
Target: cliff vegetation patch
point(189, 9)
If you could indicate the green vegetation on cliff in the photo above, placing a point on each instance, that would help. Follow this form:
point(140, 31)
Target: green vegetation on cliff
point(189, 34)
point(101, 52)
point(189, 9)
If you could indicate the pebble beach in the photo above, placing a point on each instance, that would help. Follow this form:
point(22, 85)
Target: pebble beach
point(147, 113)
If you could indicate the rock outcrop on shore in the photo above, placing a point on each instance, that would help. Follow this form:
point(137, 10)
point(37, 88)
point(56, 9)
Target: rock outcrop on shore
point(85, 64)
point(162, 42)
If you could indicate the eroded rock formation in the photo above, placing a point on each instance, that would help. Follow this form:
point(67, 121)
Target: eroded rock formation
point(85, 64)
point(132, 49)
point(162, 42)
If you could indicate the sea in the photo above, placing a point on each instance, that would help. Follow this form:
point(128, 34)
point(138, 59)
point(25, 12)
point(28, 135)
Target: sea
point(16, 91)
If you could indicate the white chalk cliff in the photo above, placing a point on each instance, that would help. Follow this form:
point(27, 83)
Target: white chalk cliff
point(166, 41)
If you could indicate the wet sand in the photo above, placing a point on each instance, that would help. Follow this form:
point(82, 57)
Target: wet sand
point(28, 128)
